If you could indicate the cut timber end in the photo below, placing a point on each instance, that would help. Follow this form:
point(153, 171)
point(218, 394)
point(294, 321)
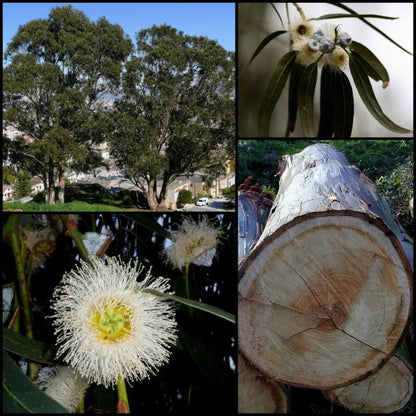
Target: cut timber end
point(325, 294)
point(387, 391)
point(255, 394)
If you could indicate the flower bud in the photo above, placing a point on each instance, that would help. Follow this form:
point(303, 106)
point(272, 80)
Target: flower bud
point(344, 39)
point(326, 45)
point(313, 44)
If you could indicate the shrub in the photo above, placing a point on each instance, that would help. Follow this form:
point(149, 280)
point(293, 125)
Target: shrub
point(185, 197)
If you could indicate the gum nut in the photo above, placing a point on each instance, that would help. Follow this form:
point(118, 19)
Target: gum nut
point(327, 45)
point(313, 45)
point(318, 35)
point(344, 39)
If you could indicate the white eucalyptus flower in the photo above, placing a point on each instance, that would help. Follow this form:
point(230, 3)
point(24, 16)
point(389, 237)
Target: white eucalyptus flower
point(63, 385)
point(107, 326)
point(192, 242)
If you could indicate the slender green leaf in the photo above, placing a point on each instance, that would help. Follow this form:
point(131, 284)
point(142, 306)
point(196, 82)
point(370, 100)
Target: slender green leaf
point(366, 93)
point(342, 15)
point(29, 348)
point(195, 304)
point(23, 393)
point(326, 120)
point(343, 6)
point(306, 94)
point(273, 91)
point(278, 14)
point(295, 74)
point(374, 68)
point(343, 106)
point(261, 46)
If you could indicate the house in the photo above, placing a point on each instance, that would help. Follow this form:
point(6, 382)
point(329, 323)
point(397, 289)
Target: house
point(37, 185)
point(7, 193)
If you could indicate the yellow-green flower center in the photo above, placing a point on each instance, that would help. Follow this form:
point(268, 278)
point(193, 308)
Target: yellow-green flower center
point(111, 324)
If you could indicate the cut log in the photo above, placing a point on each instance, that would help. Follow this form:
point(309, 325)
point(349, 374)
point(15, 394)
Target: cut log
point(255, 394)
point(325, 294)
point(386, 391)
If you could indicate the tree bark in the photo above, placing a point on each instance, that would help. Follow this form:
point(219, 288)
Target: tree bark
point(325, 294)
point(386, 391)
point(257, 395)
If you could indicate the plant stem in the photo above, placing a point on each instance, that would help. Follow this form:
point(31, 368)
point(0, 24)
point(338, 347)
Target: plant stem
point(123, 405)
point(299, 9)
point(73, 232)
point(11, 230)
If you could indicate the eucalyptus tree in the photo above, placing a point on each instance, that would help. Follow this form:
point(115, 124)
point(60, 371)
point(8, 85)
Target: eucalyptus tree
point(56, 71)
point(176, 114)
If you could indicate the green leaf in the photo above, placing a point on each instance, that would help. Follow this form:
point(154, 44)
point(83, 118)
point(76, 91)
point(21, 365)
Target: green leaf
point(326, 120)
point(29, 348)
point(273, 91)
point(262, 44)
point(293, 96)
point(342, 15)
point(373, 67)
point(306, 94)
point(195, 304)
point(366, 92)
point(343, 6)
point(21, 393)
point(343, 106)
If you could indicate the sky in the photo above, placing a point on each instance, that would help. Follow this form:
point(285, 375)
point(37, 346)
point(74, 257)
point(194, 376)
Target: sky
point(213, 20)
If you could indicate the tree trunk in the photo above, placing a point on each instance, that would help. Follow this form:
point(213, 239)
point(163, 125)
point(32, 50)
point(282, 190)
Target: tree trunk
point(151, 195)
point(255, 394)
point(50, 190)
point(384, 392)
point(325, 294)
point(61, 193)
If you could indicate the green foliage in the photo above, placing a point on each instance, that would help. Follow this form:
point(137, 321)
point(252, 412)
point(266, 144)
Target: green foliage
point(185, 196)
point(22, 185)
point(61, 66)
point(397, 187)
point(177, 112)
point(229, 192)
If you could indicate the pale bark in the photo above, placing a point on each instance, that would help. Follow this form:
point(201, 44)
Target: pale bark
point(325, 294)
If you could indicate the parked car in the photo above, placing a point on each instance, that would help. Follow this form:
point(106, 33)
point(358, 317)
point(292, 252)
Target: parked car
point(202, 201)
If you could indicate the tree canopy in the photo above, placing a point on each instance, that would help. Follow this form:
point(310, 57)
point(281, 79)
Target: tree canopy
point(56, 71)
point(176, 114)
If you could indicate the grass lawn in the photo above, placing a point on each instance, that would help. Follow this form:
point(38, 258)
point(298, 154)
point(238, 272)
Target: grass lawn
point(68, 207)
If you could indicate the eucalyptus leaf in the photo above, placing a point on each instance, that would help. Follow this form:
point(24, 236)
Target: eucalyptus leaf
point(326, 120)
point(23, 394)
point(295, 74)
point(261, 46)
point(343, 106)
point(342, 15)
point(29, 348)
point(348, 9)
point(374, 68)
point(273, 92)
point(195, 304)
point(306, 94)
point(366, 93)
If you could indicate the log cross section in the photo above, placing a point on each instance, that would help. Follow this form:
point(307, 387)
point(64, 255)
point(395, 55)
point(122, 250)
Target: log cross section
point(325, 294)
